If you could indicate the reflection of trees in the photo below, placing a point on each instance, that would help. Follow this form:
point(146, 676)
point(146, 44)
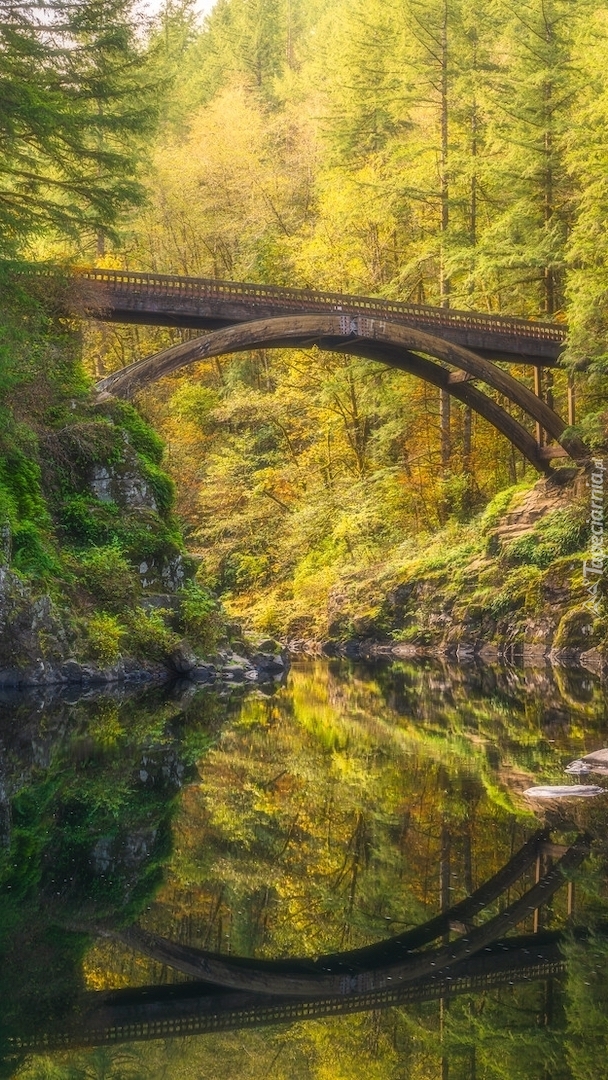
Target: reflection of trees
point(318, 824)
point(319, 819)
point(89, 835)
point(103, 1063)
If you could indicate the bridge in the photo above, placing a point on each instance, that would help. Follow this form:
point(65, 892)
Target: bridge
point(411, 337)
point(235, 992)
point(208, 304)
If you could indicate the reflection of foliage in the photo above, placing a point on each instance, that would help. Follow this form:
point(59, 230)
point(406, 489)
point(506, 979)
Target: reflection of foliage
point(103, 1063)
point(317, 824)
point(318, 820)
point(587, 1007)
point(90, 835)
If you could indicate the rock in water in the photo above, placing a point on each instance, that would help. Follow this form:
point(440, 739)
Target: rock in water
point(574, 791)
point(596, 762)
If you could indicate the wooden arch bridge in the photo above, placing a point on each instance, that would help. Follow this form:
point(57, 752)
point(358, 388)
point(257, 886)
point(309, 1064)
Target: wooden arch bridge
point(421, 964)
point(455, 351)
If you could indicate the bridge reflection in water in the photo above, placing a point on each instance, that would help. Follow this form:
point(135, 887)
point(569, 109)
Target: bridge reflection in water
point(244, 992)
point(103, 1018)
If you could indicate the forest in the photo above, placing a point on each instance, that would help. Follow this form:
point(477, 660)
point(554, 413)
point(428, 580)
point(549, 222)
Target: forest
point(437, 152)
point(447, 153)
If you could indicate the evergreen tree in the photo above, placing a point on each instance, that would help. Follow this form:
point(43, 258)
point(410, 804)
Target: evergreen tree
point(74, 105)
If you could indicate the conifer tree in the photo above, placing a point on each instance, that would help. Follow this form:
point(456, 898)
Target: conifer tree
point(74, 105)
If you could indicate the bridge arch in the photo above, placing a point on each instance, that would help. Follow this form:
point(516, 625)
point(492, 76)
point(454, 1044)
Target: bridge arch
point(391, 343)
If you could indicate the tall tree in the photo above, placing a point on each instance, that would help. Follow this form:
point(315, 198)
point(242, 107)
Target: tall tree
point(73, 106)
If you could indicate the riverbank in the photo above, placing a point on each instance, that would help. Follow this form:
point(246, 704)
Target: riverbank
point(509, 585)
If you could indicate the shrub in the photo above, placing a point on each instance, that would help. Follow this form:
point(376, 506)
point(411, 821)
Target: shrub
point(20, 480)
point(104, 633)
point(148, 636)
point(202, 618)
point(107, 575)
point(31, 551)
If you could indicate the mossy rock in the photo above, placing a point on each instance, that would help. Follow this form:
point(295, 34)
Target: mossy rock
point(577, 630)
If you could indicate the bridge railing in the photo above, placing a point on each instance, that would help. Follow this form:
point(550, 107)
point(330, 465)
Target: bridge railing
point(168, 285)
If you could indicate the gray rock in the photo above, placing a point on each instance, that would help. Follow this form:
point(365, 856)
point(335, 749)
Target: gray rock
point(234, 672)
point(183, 660)
point(203, 673)
point(268, 663)
point(72, 671)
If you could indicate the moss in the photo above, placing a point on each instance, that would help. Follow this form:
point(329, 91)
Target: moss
point(497, 508)
point(577, 630)
point(519, 585)
point(560, 533)
point(142, 437)
point(161, 485)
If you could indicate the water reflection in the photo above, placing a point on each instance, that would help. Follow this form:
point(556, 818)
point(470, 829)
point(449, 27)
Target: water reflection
point(326, 815)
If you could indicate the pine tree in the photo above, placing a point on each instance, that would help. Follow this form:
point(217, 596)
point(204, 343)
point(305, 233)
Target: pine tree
point(74, 106)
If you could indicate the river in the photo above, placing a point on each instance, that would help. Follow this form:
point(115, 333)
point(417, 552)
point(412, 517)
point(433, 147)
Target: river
point(339, 809)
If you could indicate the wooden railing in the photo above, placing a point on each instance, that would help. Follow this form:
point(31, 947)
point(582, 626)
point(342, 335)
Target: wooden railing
point(171, 286)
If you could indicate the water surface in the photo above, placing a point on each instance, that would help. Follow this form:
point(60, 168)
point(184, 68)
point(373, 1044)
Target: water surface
point(294, 820)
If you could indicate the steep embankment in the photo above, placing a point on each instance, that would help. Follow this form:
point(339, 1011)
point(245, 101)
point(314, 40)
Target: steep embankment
point(94, 579)
point(509, 583)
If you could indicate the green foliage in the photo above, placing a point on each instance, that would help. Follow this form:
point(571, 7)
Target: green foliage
point(519, 585)
point(163, 487)
point(202, 617)
point(144, 440)
point(139, 536)
point(106, 574)
point(70, 141)
point(20, 486)
point(105, 635)
point(32, 552)
point(498, 506)
point(148, 636)
point(560, 533)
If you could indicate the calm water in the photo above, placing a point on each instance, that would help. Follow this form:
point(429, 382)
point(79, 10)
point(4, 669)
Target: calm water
point(304, 819)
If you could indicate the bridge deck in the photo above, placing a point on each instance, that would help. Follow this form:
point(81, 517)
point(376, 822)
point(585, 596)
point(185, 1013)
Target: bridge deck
point(168, 300)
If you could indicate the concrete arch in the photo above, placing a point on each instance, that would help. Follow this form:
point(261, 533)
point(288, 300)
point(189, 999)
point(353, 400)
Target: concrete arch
point(391, 343)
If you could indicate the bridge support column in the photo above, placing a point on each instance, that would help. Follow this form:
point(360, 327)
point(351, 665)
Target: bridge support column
point(538, 390)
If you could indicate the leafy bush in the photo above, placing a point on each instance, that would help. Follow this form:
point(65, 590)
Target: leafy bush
point(32, 553)
point(148, 636)
point(20, 482)
point(202, 617)
point(104, 633)
point(139, 536)
point(107, 575)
